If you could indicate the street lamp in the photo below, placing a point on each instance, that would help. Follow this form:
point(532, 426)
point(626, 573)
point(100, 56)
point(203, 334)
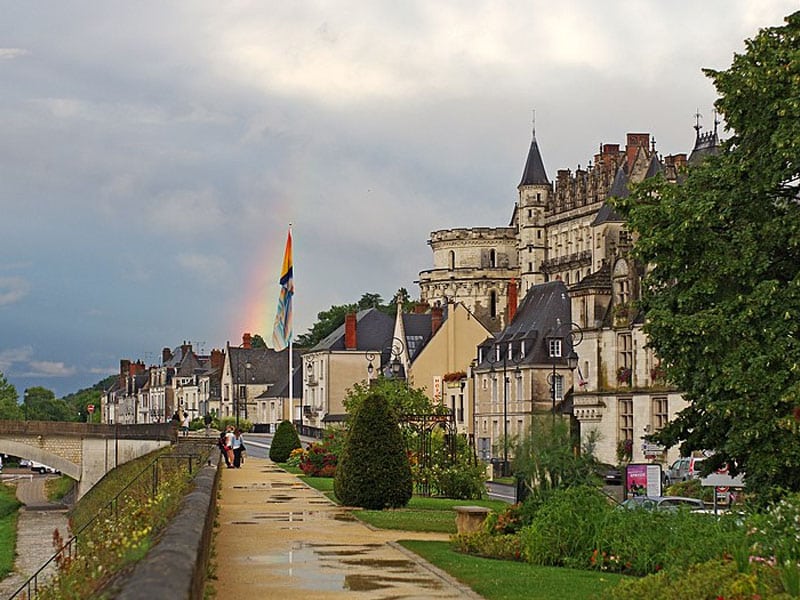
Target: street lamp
point(556, 347)
point(395, 370)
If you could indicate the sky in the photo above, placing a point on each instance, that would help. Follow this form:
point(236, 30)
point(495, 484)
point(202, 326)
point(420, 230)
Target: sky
point(153, 154)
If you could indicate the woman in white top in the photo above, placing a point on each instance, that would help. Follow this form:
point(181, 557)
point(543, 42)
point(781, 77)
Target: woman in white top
point(238, 448)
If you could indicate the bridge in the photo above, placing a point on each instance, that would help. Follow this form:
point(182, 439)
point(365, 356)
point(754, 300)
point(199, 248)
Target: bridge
point(83, 451)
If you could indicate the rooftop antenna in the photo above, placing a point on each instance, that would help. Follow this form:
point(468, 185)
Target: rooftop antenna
point(697, 126)
point(533, 122)
point(716, 121)
point(653, 144)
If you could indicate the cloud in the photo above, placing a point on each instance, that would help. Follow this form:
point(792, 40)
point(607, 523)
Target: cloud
point(14, 355)
point(46, 368)
point(201, 264)
point(187, 212)
point(13, 289)
point(12, 53)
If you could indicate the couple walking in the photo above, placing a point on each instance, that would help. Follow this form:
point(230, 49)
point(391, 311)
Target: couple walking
point(231, 446)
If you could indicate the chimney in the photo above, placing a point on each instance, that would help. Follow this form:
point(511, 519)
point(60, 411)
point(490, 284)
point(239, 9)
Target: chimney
point(124, 366)
point(635, 141)
point(247, 340)
point(186, 349)
point(511, 296)
point(217, 358)
point(350, 335)
point(420, 308)
point(436, 319)
point(166, 356)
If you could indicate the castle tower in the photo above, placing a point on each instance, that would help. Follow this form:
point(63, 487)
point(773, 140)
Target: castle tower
point(535, 190)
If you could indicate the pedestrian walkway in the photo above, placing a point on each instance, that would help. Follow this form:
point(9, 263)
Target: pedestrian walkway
point(35, 526)
point(279, 538)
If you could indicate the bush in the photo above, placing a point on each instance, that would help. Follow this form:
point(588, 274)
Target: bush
point(463, 482)
point(564, 530)
point(710, 580)
point(283, 442)
point(640, 542)
point(373, 470)
point(482, 543)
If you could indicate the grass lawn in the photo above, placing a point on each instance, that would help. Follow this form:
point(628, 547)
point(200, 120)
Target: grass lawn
point(421, 514)
point(508, 580)
point(8, 528)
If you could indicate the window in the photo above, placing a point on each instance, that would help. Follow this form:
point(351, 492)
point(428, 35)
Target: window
point(559, 387)
point(494, 390)
point(493, 304)
point(626, 418)
point(492, 258)
point(660, 413)
point(460, 414)
point(452, 261)
point(554, 347)
point(625, 350)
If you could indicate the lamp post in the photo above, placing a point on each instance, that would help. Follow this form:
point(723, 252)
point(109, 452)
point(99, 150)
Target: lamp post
point(395, 370)
point(556, 347)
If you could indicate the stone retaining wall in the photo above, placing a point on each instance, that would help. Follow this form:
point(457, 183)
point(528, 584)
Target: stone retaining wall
point(177, 566)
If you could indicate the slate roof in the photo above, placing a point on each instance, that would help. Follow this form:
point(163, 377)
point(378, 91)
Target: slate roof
point(280, 389)
point(599, 280)
point(418, 331)
point(704, 145)
point(534, 172)
point(545, 312)
point(267, 364)
point(373, 330)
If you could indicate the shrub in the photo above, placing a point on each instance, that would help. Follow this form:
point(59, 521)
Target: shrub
point(565, 528)
point(317, 461)
point(283, 442)
point(482, 543)
point(641, 542)
point(464, 482)
point(373, 470)
point(710, 580)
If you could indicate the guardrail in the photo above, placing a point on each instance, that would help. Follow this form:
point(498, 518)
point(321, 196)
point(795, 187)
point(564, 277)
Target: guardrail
point(69, 550)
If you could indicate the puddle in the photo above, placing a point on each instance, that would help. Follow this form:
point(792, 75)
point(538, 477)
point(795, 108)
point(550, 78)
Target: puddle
point(377, 563)
point(325, 567)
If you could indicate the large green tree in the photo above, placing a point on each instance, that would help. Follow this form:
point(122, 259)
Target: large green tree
point(40, 404)
point(9, 406)
point(329, 320)
point(722, 293)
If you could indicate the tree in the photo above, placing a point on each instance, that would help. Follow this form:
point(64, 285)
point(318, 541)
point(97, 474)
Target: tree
point(40, 404)
point(328, 321)
point(283, 442)
point(373, 470)
point(547, 460)
point(722, 293)
point(9, 407)
point(402, 399)
point(257, 341)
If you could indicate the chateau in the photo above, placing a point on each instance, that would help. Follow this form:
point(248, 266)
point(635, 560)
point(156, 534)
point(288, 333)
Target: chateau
point(563, 231)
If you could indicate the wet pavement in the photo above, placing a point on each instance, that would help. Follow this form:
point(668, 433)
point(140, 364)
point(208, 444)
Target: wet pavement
point(279, 538)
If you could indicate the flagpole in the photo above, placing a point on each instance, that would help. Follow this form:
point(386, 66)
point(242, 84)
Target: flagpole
point(291, 346)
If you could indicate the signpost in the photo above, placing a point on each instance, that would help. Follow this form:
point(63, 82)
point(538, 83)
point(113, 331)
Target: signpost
point(90, 410)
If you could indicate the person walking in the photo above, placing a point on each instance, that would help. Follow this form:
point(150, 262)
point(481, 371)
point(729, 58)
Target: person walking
point(229, 437)
point(185, 424)
point(238, 448)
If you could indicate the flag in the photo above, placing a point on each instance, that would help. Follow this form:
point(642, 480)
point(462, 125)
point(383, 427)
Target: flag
point(282, 331)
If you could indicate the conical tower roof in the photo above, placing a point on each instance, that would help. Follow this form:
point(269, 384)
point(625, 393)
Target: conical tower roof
point(534, 173)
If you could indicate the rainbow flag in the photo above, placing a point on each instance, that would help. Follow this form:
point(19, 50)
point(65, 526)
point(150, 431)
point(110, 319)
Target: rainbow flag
point(282, 331)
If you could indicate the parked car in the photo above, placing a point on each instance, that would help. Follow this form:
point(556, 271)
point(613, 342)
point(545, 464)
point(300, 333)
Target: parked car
point(610, 474)
point(671, 503)
point(683, 469)
point(36, 466)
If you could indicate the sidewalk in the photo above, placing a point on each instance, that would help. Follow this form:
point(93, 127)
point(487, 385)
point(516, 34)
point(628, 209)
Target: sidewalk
point(279, 538)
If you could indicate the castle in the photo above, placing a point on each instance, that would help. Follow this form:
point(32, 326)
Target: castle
point(565, 231)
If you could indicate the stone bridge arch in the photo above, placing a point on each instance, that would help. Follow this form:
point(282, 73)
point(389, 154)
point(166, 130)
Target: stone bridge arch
point(83, 451)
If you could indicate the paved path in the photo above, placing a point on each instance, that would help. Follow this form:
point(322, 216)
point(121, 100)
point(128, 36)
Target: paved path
point(279, 538)
point(35, 526)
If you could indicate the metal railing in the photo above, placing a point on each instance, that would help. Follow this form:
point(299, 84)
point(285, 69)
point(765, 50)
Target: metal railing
point(69, 550)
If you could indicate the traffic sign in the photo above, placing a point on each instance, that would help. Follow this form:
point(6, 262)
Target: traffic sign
point(90, 408)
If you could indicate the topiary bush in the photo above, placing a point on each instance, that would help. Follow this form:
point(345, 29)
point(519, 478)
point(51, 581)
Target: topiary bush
point(283, 442)
point(373, 470)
